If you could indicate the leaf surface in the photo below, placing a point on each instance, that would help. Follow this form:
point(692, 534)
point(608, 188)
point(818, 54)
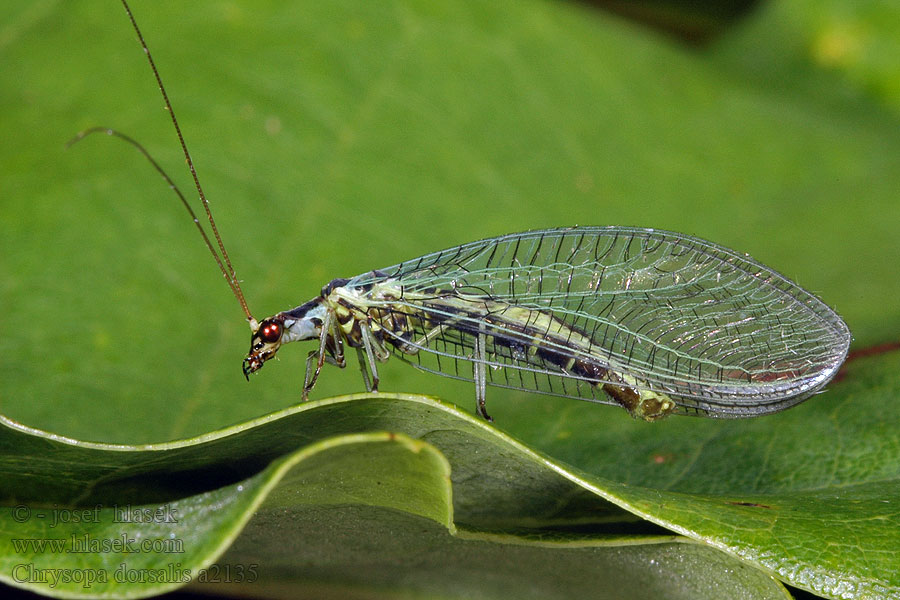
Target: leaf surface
point(333, 138)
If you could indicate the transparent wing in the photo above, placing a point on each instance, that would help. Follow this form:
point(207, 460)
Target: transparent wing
point(720, 333)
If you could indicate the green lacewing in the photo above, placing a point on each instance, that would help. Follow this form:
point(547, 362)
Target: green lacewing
point(654, 321)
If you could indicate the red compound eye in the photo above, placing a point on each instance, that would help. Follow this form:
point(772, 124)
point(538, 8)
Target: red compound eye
point(270, 332)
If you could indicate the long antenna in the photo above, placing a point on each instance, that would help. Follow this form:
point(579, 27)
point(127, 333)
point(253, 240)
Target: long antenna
point(223, 261)
point(232, 283)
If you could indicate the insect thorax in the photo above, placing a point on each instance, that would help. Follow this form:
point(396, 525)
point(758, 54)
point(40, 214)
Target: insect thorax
point(371, 305)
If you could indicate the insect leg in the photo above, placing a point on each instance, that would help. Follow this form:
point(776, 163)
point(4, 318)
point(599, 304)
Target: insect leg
point(338, 340)
point(364, 370)
point(321, 355)
point(374, 351)
point(480, 376)
point(309, 381)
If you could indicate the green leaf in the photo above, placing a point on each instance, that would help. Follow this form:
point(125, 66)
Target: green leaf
point(828, 524)
point(333, 138)
point(342, 513)
point(106, 552)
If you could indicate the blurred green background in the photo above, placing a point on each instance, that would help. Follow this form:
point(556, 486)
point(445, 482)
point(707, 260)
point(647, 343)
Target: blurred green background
point(337, 137)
